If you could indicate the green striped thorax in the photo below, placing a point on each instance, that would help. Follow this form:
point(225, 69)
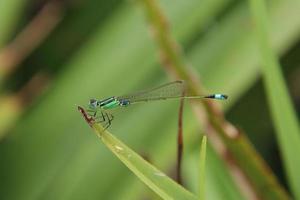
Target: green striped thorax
point(109, 103)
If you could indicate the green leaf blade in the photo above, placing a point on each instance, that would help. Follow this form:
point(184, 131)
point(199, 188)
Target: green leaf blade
point(202, 169)
point(161, 184)
point(282, 111)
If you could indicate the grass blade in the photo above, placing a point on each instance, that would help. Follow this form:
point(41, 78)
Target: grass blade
point(202, 169)
point(282, 111)
point(161, 184)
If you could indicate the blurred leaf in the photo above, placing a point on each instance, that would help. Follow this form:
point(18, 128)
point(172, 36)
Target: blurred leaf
point(10, 111)
point(283, 113)
point(229, 53)
point(10, 11)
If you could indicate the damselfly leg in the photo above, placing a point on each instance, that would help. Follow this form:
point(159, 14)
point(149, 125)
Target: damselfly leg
point(109, 117)
point(101, 117)
point(92, 113)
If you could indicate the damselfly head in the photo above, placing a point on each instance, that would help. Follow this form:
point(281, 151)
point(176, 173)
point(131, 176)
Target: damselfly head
point(93, 103)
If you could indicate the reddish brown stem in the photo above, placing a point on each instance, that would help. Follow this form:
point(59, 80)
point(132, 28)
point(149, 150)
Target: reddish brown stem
point(179, 143)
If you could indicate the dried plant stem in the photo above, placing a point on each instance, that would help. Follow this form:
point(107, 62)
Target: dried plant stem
point(30, 37)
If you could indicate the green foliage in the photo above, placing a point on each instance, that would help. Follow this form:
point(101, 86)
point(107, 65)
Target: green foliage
point(10, 12)
point(283, 113)
point(103, 48)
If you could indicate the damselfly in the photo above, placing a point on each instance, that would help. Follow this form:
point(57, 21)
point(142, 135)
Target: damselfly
point(98, 109)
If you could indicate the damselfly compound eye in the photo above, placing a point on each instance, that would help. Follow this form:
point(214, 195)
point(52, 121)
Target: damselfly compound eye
point(93, 103)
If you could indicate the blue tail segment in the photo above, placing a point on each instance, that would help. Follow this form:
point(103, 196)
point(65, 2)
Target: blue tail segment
point(217, 96)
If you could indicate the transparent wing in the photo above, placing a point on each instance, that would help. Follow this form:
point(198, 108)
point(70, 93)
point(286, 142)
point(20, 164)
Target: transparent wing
point(174, 89)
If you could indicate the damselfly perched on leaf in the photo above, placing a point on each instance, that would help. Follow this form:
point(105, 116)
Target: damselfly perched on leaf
point(98, 109)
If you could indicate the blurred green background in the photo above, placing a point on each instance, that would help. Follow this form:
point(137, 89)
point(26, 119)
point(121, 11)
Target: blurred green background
point(56, 54)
